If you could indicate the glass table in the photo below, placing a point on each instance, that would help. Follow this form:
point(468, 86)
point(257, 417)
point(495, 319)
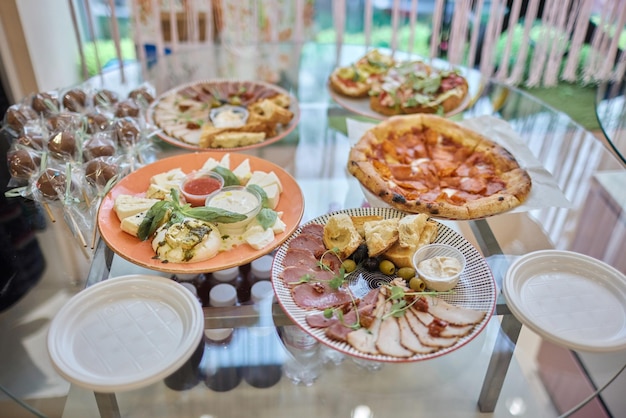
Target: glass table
point(501, 372)
point(611, 113)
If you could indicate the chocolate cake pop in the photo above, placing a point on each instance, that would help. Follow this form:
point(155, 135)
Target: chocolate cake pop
point(31, 140)
point(51, 183)
point(100, 144)
point(45, 103)
point(105, 97)
point(18, 115)
point(96, 122)
point(142, 96)
point(126, 108)
point(99, 172)
point(127, 130)
point(62, 144)
point(74, 100)
point(23, 164)
point(63, 121)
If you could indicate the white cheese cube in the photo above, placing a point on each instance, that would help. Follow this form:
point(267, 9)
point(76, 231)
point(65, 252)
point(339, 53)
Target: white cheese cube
point(225, 161)
point(273, 195)
point(174, 176)
point(265, 179)
point(279, 226)
point(243, 171)
point(128, 205)
point(258, 238)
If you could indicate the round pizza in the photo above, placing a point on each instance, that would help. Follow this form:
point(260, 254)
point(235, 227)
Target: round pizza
point(428, 164)
point(357, 79)
point(417, 87)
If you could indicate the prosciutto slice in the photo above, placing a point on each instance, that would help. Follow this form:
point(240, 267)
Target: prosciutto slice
point(294, 274)
point(309, 242)
point(320, 296)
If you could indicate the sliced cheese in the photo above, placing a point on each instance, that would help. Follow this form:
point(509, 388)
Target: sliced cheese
point(172, 177)
point(243, 171)
point(273, 195)
point(130, 224)
point(265, 179)
point(257, 237)
point(128, 205)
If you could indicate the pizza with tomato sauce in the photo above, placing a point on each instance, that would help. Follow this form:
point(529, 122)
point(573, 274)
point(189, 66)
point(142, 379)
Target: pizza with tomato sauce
point(357, 79)
point(428, 164)
point(417, 87)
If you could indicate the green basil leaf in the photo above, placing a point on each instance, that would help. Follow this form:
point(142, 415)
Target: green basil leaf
point(230, 179)
point(261, 192)
point(266, 218)
point(154, 217)
point(211, 214)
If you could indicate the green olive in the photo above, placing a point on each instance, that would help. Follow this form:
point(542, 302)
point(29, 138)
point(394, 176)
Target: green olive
point(387, 267)
point(406, 272)
point(348, 265)
point(417, 284)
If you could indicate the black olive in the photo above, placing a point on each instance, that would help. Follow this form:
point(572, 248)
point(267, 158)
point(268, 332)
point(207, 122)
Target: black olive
point(371, 264)
point(360, 254)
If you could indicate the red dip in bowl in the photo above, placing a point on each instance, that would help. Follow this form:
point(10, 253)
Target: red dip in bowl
point(198, 185)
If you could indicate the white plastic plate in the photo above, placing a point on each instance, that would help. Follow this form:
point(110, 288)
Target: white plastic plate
point(571, 299)
point(125, 333)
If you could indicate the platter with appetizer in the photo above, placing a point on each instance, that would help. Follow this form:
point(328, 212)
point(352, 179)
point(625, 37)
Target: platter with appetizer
point(226, 115)
point(350, 279)
point(200, 212)
point(378, 86)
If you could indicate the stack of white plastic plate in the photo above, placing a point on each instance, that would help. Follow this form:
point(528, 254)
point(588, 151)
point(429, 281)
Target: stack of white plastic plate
point(571, 299)
point(125, 333)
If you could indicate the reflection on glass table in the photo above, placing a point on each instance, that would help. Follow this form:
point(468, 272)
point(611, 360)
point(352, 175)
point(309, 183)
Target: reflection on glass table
point(611, 113)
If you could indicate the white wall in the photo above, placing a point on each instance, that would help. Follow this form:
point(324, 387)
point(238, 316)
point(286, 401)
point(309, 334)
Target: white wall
point(51, 41)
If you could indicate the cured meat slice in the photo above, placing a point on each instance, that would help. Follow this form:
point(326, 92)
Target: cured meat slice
point(309, 242)
point(320, 296)
point(318, 320)
point(453, 314)
point(364, 339)
point(294, 274)
point(340, 329)
point(421, 331)
point(313, 229)
point(300, 258)
point(449, 331)
point(388, 341)
point(409, 340)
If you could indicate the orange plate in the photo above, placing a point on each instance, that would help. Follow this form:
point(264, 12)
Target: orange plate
point(291, 203)
point(282, 131)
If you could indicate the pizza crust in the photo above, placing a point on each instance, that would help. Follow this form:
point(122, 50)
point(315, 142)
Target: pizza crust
point(359, 89)
point(494, 165)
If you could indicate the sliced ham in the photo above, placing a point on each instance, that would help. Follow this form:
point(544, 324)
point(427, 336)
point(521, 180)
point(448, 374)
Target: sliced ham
point(320, 296)
point(410, 341)
point(313, 229)
point(319, 320)
point(309, 242)
point(455, 315)
point(421, 331)
point(449, 331)
point(300, 258)
point(294, 274)
point(364, 339)
point(388, 341)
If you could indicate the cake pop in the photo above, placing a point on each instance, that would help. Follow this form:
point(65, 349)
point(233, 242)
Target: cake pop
point(22, 163)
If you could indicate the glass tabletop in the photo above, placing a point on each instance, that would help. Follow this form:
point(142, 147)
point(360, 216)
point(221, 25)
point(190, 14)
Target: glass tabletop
point(267, 373)
point(611, 113)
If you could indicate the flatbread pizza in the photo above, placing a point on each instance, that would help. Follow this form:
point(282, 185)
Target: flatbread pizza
point(357, 79)
point(428, 164)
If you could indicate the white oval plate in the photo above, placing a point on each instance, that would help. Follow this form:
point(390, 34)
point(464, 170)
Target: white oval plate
point(476, 288)
point(571, 299)
point(125, 333)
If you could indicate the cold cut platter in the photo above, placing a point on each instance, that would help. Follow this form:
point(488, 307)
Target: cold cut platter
point(371, 314)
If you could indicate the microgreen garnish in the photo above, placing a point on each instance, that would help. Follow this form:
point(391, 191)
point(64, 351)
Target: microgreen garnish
point(399, 304)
